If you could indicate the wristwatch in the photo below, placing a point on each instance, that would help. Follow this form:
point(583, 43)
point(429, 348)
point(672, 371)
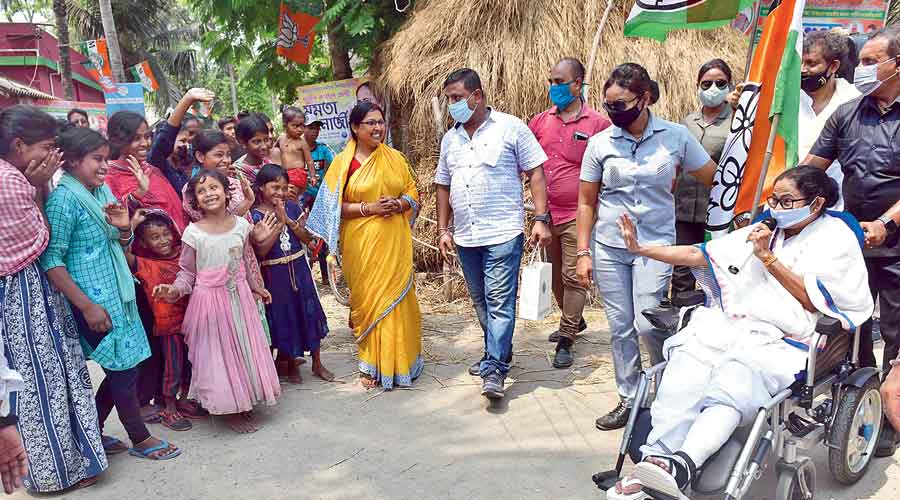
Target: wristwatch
point(9, 420)
point(889, 225)
point(545, 218)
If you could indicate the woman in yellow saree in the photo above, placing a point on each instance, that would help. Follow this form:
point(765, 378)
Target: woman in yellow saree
point(365, 209)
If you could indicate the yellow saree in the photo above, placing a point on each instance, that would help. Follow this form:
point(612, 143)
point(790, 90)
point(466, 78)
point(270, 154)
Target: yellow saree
point(376, 258)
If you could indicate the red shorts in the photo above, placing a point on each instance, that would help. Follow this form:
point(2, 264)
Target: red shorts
point(297, 177)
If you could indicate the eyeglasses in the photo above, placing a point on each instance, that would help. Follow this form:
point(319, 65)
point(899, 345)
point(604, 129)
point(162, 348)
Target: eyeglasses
point(705, 85)
point(374, 123)
point(785, 202)
point(617, 106)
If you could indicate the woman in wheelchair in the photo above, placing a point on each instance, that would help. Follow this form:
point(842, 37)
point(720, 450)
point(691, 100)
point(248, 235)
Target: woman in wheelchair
point(765, 291)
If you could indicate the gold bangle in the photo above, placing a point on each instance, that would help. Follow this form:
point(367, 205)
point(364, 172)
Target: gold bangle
point(771, 260)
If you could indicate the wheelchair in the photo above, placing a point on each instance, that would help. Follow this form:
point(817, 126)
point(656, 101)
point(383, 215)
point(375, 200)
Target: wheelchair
point(833, 402)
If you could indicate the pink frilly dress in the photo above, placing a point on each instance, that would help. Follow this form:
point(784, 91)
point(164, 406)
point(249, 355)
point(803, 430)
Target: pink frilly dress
point(232, 367)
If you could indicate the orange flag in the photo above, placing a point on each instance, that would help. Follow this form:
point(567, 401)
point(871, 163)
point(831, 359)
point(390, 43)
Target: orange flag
point(295, 35)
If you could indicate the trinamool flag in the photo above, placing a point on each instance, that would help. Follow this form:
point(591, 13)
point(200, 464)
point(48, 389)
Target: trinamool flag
point(655, 18)
point(144, 73)
point(772, 88)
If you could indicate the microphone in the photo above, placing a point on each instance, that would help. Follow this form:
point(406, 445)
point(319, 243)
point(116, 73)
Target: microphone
point(770, 223)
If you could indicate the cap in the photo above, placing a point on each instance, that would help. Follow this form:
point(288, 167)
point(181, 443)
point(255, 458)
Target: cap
point(312, 119)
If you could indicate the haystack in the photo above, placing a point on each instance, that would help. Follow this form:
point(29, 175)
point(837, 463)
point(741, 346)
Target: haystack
point(512, 44)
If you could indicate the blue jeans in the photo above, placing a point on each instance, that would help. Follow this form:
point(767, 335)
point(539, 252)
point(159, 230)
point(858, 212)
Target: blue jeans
point(492, 276)
point(628, 284)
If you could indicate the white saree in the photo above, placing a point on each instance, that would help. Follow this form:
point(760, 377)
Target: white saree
point(751, 339)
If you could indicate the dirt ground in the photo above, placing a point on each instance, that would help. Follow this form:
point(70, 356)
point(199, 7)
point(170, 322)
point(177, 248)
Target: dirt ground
point(437, 440)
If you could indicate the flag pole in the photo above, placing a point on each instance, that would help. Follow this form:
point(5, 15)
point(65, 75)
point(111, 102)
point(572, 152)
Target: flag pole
point(754, 20)
point(770, 146)
point(589, 79)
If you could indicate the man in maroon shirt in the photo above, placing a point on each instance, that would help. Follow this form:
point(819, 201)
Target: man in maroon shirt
point(563, 131)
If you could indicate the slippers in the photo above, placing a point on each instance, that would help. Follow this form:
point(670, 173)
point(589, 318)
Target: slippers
point(175, 421)
point(657, 479)
point(150, 414)
point(153, 449)
point(113, 446)
point(191, 409)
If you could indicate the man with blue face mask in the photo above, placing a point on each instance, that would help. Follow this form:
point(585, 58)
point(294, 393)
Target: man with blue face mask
point(478, 179)
point(864, 135)
point(563, 132)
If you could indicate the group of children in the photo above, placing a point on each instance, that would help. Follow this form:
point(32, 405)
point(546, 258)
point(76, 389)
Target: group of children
point(230, 301)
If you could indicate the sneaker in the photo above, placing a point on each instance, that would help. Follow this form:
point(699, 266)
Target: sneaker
point(492, 386)
point(616, 419)
point(554, 337)
point(564, 357)
point(887, 441)
point(475, 368)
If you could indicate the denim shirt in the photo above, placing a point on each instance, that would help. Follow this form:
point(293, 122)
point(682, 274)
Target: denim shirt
point(638, 177)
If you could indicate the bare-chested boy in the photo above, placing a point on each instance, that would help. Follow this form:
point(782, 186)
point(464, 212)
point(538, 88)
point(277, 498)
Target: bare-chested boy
point(293, 154)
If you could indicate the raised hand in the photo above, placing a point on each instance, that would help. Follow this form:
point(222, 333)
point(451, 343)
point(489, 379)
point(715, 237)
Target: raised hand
point(280, 212)
point(629, 234)
point(39, 173)
point(199, 94)
point(143, 179)
point(265, 228)
point(117, 216)
point(140, 215)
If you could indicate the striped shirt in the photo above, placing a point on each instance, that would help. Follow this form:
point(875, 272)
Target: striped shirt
point(483, 175)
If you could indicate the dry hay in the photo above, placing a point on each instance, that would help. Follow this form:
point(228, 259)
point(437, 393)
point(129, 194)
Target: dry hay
point(512, 44)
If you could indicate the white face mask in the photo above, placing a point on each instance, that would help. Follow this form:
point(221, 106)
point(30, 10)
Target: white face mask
point(865, 78)
point(713, 96)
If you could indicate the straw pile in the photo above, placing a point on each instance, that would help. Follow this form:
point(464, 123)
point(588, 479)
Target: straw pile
point(512, 44)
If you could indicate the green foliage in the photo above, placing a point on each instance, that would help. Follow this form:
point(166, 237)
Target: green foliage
point(894, 16)
point(26, 10)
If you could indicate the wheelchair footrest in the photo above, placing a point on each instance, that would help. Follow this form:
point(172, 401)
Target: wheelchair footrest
point(799, 426)
point(606, 479)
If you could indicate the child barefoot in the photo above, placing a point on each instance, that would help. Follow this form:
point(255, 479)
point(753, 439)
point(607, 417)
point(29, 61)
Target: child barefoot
point(153, 257)
point(293, 154)
point(296, 319)
point(232, 369)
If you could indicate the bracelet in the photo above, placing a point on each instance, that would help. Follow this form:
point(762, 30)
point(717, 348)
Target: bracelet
point(443, 230)
point(583, 253)
point(771, 260)
point(363, 210)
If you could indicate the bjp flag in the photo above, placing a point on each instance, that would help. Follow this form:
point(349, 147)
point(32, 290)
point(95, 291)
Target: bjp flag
point(295, 35)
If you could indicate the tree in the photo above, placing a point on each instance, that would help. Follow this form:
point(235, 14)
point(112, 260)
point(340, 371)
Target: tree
point(894, 16)
point(26, 10)
point(112, 40)
point(65, 62)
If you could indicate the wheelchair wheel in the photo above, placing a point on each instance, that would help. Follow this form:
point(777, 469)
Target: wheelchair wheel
point(337, 281)
point(789, 484)
point(855, 432)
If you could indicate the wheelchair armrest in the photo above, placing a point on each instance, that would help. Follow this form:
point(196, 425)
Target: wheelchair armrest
point(689, 299)
point(828, 326)
point(663, 317)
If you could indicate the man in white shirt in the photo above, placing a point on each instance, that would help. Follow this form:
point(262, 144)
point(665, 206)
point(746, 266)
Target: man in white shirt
point(478, 178)
point(823, 92)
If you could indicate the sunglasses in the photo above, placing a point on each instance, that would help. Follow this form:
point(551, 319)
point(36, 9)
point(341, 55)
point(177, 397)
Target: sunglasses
point(709, 83)
point(617, 106)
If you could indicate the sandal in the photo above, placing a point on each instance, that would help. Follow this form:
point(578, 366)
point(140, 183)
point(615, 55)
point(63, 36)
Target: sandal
point(188, 408)
point(84, 483)
point(113, 446)
point(175, 421)
point(150, 414)
point(148, 453)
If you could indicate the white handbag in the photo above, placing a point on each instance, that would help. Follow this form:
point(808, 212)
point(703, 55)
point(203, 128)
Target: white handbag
point(535, 289)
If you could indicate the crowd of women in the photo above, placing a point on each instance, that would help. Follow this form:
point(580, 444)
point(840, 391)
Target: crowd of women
point(185, 275)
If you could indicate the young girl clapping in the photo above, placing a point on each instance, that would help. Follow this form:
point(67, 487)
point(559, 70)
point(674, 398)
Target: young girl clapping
point(232, 369)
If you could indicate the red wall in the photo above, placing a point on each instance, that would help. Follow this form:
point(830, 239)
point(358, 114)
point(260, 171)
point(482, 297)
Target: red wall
point(44, 79)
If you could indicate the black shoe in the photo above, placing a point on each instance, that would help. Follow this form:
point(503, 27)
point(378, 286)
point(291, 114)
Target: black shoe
point(887, 441)
point(475, 369)
point(492, 386)
point(554, 337)
point(615, 419)
point(564, 357)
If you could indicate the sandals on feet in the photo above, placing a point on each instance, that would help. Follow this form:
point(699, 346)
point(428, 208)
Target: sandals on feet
point(113, 446)
point(148, 453)
point(191, 409)
point(175, 421)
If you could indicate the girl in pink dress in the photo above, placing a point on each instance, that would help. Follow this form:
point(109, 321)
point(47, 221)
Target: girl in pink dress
point(232, 369)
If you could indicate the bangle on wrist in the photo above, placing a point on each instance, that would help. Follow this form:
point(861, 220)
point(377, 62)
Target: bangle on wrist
point(363, 209)
point(769, 260)
point(583, 253)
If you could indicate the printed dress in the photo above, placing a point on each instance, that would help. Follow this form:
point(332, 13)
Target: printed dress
point(296, 319)
point(233, 370)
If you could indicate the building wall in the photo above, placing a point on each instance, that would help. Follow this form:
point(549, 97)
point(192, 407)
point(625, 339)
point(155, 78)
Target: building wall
point(34, 62)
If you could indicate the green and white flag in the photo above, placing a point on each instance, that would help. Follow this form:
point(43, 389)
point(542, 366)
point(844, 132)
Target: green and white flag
point(656, 18)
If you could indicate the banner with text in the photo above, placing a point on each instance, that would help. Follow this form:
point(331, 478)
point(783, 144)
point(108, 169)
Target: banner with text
point(59, 109)
point(330, 103)
point(857, 16)
point(125, 97)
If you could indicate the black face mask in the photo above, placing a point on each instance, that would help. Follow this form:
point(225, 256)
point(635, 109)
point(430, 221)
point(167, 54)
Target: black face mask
point(813, 82)
point(623, 119)
point(182, 155)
